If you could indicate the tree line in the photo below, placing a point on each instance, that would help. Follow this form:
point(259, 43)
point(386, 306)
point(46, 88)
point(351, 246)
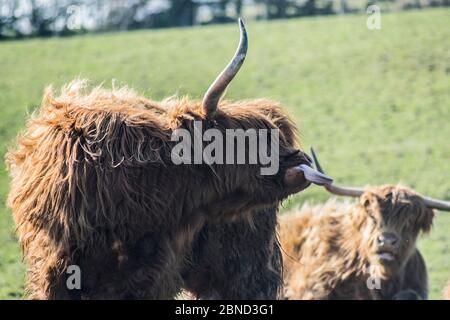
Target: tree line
point(44, 18)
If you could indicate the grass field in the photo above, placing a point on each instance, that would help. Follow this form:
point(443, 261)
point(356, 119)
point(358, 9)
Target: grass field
point(375, 104)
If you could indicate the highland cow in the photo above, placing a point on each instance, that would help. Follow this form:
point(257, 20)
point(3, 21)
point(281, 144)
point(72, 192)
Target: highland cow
point(363, 250)
point(94, 185)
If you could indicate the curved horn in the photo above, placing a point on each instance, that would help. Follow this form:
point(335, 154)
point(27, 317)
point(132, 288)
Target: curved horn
point(436, 204)
point(355, 192)
point(217, 88)
point(334, 189)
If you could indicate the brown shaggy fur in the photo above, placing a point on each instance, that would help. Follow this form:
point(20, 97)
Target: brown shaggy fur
point(237, 260)
point(329, 249)
point(93, 185)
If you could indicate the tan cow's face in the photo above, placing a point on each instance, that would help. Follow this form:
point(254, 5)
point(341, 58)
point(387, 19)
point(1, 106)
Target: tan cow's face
point(394, 218)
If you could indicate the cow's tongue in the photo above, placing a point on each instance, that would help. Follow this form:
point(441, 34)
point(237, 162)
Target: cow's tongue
point(315, 176)
point(296, 176)
point(386, 256)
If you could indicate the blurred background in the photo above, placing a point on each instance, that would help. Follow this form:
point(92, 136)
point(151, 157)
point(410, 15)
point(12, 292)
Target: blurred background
point(45, 18)
point(375, 103)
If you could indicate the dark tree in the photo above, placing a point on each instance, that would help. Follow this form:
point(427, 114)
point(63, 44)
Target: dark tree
point(182, 12)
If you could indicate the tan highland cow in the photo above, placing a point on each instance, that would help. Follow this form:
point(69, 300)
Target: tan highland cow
point(94, 186)
point(358, 250)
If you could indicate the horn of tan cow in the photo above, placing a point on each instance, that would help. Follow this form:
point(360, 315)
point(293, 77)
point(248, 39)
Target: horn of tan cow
point(217, 88)
point(356, 192)
point(436, 204)
point(334, 189)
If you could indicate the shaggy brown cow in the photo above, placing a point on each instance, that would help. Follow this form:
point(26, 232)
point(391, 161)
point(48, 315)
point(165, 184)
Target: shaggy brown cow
point(363, 250)
point(94, 185)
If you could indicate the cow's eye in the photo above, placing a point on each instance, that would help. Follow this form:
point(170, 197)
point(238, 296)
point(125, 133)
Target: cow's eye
point(373, 219)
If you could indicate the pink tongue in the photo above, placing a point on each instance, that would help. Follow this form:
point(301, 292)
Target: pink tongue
point(387, 256)
point(315, 176)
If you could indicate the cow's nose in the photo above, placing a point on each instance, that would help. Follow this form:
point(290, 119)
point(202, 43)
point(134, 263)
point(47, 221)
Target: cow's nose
point(387, 238)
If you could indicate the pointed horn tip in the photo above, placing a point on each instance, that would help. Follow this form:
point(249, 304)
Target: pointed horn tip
point(242, 28)
point(316, 161)
point(311, 149)
point(243, 32)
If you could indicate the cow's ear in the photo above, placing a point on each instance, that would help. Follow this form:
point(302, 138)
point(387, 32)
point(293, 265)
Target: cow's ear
point(366, 200)
point(427, 220)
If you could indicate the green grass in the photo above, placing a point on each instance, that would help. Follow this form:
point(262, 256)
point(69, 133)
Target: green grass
point(375, 104)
